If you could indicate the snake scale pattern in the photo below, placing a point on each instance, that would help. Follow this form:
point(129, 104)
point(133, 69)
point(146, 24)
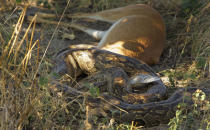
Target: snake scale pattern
point(129, 89)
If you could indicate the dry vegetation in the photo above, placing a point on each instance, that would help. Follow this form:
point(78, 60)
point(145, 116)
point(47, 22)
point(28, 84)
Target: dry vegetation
point(27, 103)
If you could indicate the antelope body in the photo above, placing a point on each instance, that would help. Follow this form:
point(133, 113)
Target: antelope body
point(137, 31)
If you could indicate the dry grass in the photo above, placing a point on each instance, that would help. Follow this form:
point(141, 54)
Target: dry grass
point(25, 100)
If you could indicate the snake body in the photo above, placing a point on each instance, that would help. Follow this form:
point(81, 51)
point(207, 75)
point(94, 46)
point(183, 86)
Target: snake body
point(123, 72)
point(150, 114)
point(122, 90)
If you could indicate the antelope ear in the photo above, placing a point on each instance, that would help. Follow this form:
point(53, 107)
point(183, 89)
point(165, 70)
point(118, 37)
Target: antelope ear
point(143, 79)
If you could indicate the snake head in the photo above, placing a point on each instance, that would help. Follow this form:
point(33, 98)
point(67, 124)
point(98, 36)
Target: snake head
point(142, 79)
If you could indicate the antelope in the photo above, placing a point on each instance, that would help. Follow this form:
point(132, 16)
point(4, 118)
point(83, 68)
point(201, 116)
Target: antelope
point(136, 31)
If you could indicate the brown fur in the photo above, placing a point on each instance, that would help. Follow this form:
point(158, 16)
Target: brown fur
point(138, 31)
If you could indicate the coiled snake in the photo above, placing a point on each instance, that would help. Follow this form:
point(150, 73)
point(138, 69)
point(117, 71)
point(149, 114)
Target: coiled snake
point(128, 87)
